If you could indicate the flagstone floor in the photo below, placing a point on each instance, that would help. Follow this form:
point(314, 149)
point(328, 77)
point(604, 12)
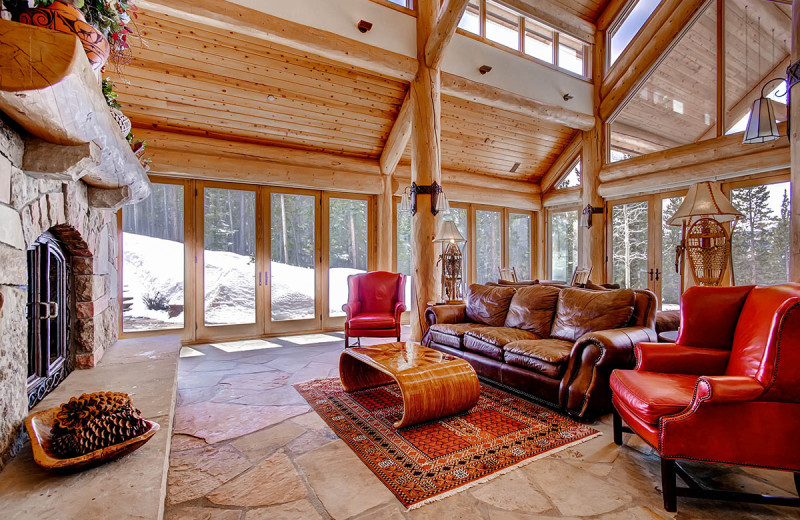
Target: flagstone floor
point(246, 446)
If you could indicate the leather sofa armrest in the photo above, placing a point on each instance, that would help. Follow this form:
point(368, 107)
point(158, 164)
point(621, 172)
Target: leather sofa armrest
point(446, 314)
point(727, 389)
point(584, 391)
point(352, 309)
point(669, 358)
point(399, 308)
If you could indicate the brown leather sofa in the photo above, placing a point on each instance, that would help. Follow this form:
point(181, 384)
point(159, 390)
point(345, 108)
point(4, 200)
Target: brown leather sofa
point(556, 344)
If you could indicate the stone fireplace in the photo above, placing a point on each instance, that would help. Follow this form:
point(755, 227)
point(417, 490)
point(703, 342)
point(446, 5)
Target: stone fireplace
point(35, 210)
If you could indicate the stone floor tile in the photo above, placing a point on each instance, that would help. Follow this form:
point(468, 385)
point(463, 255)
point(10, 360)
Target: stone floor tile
point(196, 395)
point(311, 440)
point(461, 506)
point(299, 510)
point(204, 513)
point(199, 380)
point(260, 381)
point(194, 473)
point(186, 442)
point(313, 370)
point(512, 491)
point(388, 512)
point(273, 481)
point(282, 395)
point(575, 493)
point(217, 422)
point(310, 421)
point(345, 486)
point(291, 364)
point(258, 445)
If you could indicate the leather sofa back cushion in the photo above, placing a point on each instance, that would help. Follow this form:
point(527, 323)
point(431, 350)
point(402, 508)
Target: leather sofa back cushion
point(580, 311)
point(533, 309)
point(488, 305)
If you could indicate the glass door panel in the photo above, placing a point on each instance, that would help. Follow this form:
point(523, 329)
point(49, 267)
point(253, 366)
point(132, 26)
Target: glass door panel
point(630, 244)
point(460, 217)
point(404, 248)
point(563, 245)
point(229, 271)
point(670, 279)
point(489, 249)
point(519, 244)
point(348, 246)
point(293, 248)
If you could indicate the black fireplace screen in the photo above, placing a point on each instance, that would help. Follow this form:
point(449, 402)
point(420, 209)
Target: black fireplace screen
point(48, 317)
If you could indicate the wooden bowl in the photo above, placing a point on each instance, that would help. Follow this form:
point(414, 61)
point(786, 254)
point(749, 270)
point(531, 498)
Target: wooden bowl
point(39, 425)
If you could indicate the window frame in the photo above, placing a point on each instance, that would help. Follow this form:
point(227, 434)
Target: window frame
point(578, 159)
point(587, 46)
point(410, 9)
point(615, 26)
point(548, 224)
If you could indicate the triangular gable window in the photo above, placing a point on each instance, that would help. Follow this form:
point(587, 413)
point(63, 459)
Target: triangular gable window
point(571, 179)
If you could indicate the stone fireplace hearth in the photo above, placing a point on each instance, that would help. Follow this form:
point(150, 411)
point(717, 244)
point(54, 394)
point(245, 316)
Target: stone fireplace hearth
point(29, 207)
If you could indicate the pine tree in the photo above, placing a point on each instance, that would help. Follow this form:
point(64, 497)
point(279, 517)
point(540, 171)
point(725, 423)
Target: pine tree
point(629, 224)
point(752, 250)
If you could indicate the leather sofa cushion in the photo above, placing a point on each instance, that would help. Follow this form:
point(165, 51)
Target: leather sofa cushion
point(377, 320)
point(488, 305)
point(651, 395)
point(451, 334)
point(489, 341)
point(533, 309)
point(546, 356)
point(580, 311)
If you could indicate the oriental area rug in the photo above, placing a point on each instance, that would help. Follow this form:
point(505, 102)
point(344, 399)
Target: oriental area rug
point(433, 460)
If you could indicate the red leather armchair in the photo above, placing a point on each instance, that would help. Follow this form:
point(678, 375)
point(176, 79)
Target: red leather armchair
point(374, 305)
point(728, 391)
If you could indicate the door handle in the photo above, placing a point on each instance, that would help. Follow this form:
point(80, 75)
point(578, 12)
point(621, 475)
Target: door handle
point(52, 310)
point(651, 275)
point(259, 278)
point(657, 273)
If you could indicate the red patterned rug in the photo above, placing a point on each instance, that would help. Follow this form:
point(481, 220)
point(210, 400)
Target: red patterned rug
point(430, 461)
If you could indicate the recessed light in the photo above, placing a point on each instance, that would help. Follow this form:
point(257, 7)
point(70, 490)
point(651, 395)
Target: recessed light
point(270, 98)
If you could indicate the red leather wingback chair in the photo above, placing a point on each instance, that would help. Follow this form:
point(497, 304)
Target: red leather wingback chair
point(374, 305)
point(728, 391)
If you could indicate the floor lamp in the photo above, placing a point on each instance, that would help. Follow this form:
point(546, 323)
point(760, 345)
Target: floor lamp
point(705, 242)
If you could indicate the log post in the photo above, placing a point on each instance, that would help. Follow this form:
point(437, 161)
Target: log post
point(592, 244)
point(425, 169)
point(794, 140)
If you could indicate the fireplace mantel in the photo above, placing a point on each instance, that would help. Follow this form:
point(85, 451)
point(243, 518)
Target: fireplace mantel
point(48, 86)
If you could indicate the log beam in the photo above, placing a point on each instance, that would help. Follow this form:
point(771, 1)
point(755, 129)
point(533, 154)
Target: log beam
point(463, 88)
point(398, 138)
point(242, 20)
point(565, 197)
point(449, 16)
point(664, 28)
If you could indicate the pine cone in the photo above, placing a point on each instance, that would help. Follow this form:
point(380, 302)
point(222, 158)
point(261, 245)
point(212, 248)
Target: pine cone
point(76, 413)
point(108, 430)
point(66, 446)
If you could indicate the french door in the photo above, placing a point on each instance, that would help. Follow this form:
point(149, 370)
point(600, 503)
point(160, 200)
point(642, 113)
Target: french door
point(276, 260)
point(641, 245)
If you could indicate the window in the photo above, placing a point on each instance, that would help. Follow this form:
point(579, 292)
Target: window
point(347, 249)
point(563, 244)
point(571, 54)
point(402, 3)
point(670, 239)
point(539, 40)
point(519, 244)
point(761, 238)
point(153, 261)
point(403, 248)
point(620, 155)
point(630, 247)
point(624, 32)
point(502, 25)
point(471, 21)
point(489, 247)
point(460, 216)
point(572, 179)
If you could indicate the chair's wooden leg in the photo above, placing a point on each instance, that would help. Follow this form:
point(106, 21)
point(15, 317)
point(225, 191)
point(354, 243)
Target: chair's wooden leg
point(797, 482)
point(668, 484)
point(617, 427)
point(346, 340)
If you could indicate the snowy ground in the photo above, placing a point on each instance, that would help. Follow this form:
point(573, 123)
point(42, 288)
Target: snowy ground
point(154, 265)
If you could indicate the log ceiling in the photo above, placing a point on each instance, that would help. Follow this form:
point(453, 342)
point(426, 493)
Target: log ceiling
point(198, 79)
point(207, 81)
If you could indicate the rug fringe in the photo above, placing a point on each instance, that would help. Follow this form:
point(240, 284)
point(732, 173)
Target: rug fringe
point(499, 473)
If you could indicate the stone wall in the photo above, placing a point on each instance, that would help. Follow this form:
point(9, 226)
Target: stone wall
point(28, 207)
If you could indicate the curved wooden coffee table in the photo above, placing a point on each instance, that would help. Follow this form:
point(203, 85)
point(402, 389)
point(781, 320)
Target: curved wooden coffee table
point(433, 384)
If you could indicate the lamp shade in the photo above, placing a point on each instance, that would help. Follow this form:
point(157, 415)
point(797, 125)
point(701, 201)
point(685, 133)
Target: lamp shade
point(704, 199)
point(448, 232)
point(761, 125)
point(405, 202)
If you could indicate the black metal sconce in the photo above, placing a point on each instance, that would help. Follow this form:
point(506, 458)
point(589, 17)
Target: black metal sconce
point(484, 69)
point(587, 213)
point(762, 126)
point(408, 202)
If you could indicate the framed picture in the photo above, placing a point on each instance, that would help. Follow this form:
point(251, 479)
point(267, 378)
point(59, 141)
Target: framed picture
point(580, 277)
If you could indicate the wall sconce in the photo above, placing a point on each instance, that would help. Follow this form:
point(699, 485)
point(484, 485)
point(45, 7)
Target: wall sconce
point(364, 26)
point(568, 96)
point(484, 69)
point(439, 202)
point(587, 213)
point(762, 126)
